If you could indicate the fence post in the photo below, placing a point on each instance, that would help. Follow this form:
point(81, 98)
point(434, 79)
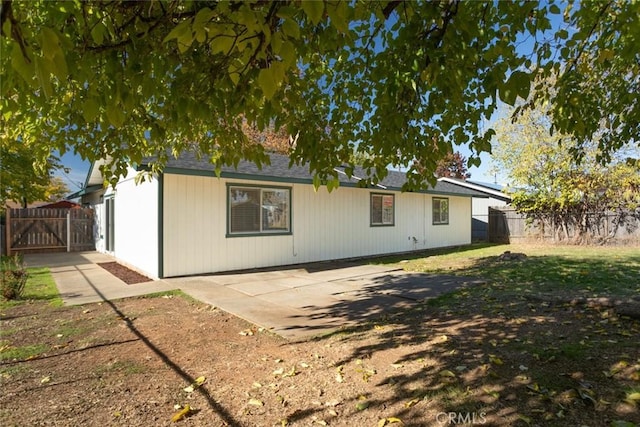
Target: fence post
point(8, 231)
point(69, 231)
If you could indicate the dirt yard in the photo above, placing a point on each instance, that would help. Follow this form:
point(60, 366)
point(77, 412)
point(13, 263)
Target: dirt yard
point(139, 362)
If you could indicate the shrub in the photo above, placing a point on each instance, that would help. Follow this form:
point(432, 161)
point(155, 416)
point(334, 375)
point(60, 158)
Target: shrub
point(13, 277)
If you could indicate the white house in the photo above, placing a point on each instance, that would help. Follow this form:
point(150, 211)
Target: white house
point(188, 221)
point(493, 196)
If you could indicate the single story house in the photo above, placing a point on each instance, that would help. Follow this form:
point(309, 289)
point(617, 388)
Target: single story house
point(493, 197)
point(188, 221)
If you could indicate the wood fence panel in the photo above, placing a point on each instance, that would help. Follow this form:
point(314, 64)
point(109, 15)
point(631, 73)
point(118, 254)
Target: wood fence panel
point(43, 230)
point(508, 226)
point(82, 237)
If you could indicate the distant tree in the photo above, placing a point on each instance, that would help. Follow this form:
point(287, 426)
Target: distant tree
point(273, 140)
point(24, 180)
point(453, 165)
point(549, 185)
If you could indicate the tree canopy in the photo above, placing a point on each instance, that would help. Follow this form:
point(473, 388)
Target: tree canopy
point(549, 185)
point(453, 165)
point(390, 82)
point(24, 180)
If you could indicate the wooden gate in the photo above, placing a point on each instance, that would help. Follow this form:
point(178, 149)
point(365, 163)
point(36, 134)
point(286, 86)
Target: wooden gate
point(49, 230)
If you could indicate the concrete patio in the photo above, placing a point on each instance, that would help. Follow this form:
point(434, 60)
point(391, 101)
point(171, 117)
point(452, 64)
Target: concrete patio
point(295, 302)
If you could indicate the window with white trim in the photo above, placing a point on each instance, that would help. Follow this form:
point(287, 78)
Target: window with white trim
point(382, 209)
point(258, 210)
point(440, 211)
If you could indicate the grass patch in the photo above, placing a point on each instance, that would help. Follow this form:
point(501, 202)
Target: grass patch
point(40, 286)
point(167, 294)
point(593, 271)
point(22, 353)
point(127, 367)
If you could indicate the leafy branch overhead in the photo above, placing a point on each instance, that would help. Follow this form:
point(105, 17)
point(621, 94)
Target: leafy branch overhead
point(387, 82)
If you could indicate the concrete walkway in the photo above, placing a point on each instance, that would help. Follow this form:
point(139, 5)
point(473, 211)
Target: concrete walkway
point(81, 281)
point(296, 303)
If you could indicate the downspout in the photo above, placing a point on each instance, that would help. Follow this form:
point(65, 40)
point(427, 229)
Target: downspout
point(161, 226)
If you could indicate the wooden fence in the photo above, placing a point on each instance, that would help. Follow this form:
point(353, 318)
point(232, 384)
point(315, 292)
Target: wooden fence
point(508, 226)
point(49, 230)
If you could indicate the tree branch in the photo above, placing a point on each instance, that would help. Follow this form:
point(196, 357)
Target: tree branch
point(6, 14)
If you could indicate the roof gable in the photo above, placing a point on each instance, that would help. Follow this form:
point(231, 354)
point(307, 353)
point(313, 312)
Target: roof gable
point(477, 187)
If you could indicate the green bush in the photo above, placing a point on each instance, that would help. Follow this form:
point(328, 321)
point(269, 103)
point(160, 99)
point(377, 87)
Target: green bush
point(13, 276)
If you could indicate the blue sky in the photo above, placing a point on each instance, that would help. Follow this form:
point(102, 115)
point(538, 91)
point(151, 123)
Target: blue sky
point(77, 175)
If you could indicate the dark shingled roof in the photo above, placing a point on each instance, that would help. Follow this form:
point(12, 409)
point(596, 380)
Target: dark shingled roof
point(279, 171)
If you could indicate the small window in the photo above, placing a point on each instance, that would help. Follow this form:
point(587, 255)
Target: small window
point(382, 209)
point(256, 210)
point(440, 211)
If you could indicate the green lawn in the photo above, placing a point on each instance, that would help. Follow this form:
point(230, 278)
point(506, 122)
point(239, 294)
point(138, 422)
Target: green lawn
point(40, 286)
point(589, 271)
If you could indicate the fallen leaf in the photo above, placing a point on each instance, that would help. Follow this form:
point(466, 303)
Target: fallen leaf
point(410, 403)
point(255, 402)
point(633, 397)
point(525, 418)
point(491, 393)
point(362, 405)
point(447, 373)
point(495, 360)
point(181, 414)
point(291, 373)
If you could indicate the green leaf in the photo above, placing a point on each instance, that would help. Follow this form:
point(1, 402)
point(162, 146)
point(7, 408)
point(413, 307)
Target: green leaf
point(267, 82)
point(25, 69)
point(203, 16)
point(50, 45)
point(519, 84)
point(44, 76)
point(222, 44)
point(180, 31)
point(338, 15)
point(291, 28)
point(314, 10)
point(90, 109)
point(98, 32)
point(115, 115)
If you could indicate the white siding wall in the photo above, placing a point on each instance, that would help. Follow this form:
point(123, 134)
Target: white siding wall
point(481, 207)
point(95, 201)
point(325, 226)
point(136, 224)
